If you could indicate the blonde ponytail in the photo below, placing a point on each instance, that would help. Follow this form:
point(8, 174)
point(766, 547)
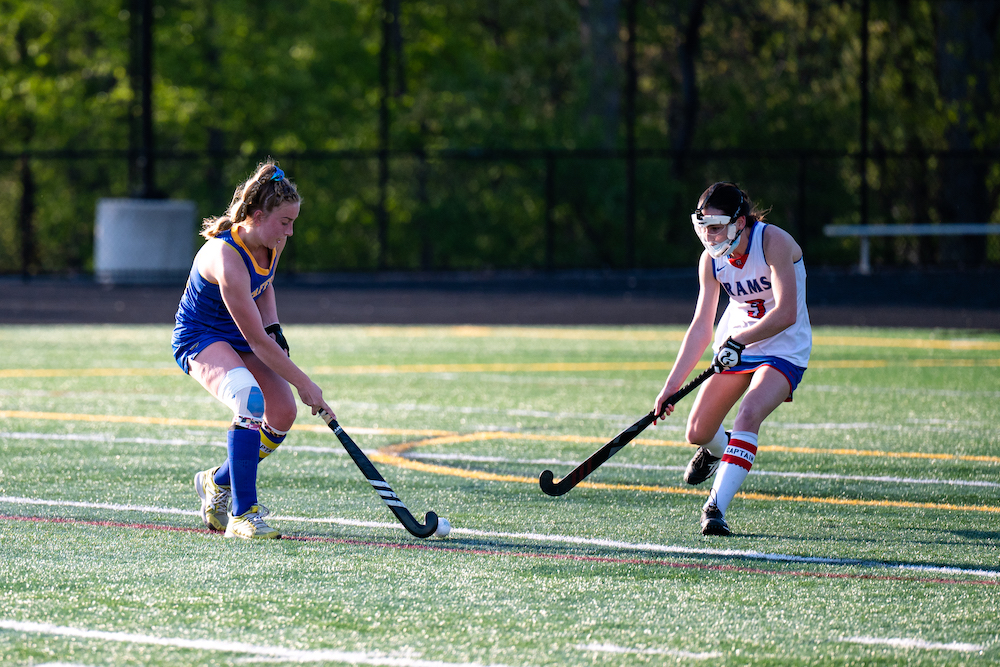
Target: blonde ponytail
point(212, 227)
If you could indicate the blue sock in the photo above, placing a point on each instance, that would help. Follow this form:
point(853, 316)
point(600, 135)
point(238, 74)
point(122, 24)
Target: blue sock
point(222, 474)
point(244, 453)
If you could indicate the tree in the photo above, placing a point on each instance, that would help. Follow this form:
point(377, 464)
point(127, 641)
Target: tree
point(966, 48)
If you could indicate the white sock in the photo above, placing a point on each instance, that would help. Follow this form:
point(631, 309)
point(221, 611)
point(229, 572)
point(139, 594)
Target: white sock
point(736, 463)
point(717, 445)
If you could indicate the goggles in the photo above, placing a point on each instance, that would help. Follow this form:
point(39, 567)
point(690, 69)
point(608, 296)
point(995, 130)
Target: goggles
point(721, 248)
point(701, 220)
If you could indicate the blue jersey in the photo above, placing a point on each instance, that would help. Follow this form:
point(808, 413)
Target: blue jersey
point(202, 317)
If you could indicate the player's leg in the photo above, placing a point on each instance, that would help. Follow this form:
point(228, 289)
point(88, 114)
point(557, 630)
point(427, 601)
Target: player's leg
point(280, 407)
point(704, 428)
point(768, 389)
point(209, 368)
point(221, 371)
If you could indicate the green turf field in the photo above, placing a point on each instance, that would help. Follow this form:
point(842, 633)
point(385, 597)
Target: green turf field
point(867, 533)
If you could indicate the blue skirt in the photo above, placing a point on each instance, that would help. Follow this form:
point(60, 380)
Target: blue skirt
point(187, 343)
point(791, 372)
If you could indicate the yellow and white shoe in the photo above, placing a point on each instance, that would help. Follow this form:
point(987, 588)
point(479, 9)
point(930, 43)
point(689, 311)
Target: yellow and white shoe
point(215, 500)
point(250, 525)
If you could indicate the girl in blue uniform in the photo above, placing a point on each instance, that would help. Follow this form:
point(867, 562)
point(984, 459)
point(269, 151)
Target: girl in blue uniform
point(228, 338)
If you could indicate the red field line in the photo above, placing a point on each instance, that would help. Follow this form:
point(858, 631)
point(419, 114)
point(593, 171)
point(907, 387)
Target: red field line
point(435, 547)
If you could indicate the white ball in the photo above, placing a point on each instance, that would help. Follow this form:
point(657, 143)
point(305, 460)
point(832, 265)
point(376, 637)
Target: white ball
point(443, 528)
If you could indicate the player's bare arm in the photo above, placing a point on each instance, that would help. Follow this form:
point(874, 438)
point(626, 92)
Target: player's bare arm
point(698, 336)
point(227, 269)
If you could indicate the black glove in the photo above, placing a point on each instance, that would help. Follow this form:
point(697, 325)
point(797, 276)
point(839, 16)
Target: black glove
point(729, 355)
point(279, 337)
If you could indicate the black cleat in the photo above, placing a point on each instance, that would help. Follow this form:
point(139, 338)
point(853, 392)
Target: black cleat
point(702, 466)
point(712, 522)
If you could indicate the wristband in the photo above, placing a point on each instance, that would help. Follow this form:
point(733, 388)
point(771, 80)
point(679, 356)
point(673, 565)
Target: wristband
point(279, 337)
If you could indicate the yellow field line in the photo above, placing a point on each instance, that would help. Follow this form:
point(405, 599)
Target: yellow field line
point(437, 437)
point(400, 462)
point(614, 366)
point(169, 421)
point(914, 343)
point(653, 335)
point(526, 332)
point(479, 436)
point(391, 455)
point(448, 439)
point(373, 369)
point(880, 454)
point(384, 456)
point(109, 419)
point(965, 363)
point(911, 363)
point(542, 367)
point(85, 372)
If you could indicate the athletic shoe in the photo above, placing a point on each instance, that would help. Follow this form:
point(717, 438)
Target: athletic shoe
point(712, 522)
point(702, 466)
point(250, 525)
point(214, 499)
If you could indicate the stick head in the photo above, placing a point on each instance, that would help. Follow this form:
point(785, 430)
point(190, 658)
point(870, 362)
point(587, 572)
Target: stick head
point(424, 531)
point(547, 484)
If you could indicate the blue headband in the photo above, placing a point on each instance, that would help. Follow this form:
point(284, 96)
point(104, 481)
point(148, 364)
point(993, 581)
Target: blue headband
point(278, 174)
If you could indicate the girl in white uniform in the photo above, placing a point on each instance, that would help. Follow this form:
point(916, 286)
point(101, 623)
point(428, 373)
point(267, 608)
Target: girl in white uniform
point(761, 345)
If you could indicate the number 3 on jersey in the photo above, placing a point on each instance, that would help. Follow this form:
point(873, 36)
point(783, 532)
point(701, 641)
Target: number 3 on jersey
point(756, 308)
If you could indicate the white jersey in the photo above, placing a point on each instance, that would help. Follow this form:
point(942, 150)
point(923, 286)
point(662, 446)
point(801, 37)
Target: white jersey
point(750, 296)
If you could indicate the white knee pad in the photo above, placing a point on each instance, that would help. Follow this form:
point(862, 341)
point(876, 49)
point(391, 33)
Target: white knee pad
point(240, 391)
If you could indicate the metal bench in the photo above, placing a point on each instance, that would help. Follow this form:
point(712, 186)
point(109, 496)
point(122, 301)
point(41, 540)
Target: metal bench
point(865, 232)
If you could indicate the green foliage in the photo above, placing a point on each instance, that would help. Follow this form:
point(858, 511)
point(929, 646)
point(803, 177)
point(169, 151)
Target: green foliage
point(62, 75)
point(778, 108)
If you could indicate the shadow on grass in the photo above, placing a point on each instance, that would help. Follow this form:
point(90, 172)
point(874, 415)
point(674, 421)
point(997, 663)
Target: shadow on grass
point(714, 557)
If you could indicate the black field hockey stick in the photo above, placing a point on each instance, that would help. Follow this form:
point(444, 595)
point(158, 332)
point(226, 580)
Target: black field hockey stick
point(381, 487)
point(545, 480)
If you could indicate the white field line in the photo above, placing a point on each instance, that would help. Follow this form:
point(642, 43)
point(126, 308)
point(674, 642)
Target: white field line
point(477, 410)
point(173, 442)
point(923, 426)
point(901, 642)
point(533, 379)
point(222, 646)
point(552, 539)
point(472, 458)
point(622, 420)
point(117, 507)
point(625, 420)
point(611, 648)
point(883, 391)
point(933, 425)
point(98, 437)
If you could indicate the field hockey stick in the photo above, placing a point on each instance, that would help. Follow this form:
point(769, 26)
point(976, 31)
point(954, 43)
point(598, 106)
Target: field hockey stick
point(545, 480)
point(381, 487)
